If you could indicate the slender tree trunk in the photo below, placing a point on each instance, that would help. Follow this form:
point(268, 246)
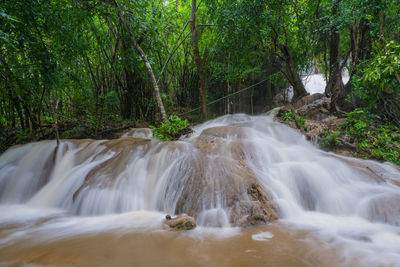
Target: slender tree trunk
point(229, 87)
point(20, 115)
point(334, 87)
point(360, 47)
point(19, 99)
point(148, 66)
point(56, 122)
point(268, 83)
point(199, 63)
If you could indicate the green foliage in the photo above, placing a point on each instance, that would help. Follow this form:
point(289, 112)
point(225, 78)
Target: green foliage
point(330, 139)
point(385, 143)
point(3, 122)
point(356, 124)
point(378, 73)
point(292, 116)
point(378, 77)
point(80, 53)
point(170, 129)
point(74, 132)
point(288, 116)
point(300, 121)
point(381, 140)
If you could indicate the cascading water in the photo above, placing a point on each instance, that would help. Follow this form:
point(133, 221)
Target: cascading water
point(233, 171)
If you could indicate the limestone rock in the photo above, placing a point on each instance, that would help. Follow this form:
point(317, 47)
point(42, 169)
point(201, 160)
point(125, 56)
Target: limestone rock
point(317, 110)
point(104, 174)
point(139, 133)
point(225, 172)
point(226, 131)
point(306, 100)
point(182, 222)
point(385, 209)
point(212, 166)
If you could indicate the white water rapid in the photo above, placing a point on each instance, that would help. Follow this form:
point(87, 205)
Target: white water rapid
point(345, 211)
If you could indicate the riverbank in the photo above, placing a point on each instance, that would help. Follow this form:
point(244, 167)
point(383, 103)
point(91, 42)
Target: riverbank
point(357, 133)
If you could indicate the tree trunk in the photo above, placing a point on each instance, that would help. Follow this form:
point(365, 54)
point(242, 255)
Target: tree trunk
point(360, 47)
point(148, 66)
point(334, 87)
point(291, 73)
point(199, 63)
point(268, 83)
point(20, 115)
point(56, 122)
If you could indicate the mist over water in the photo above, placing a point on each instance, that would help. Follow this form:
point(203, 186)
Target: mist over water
point(336, 207)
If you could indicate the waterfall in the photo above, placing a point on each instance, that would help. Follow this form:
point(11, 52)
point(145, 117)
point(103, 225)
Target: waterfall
point(231, 168)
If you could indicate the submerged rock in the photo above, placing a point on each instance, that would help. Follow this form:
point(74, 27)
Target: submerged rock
point(182, 222)
point(226, 132)
point(385, 209)
point(226, 174)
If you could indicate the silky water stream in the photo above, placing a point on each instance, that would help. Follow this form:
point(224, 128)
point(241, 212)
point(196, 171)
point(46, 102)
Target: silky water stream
point(102, 203)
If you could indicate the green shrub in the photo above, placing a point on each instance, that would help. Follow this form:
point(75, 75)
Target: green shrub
point(369, 133)
point(376, 83)
point(357, 123)
point(330, 140)
point(170, 129)
point(301, 122)
point(74, 132)
point(287, 116)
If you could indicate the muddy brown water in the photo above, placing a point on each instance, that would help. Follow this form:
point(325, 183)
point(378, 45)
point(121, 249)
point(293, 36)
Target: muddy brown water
point(280, 246)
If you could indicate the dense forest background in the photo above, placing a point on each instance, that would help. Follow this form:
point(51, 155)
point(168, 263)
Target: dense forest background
point(95, 65)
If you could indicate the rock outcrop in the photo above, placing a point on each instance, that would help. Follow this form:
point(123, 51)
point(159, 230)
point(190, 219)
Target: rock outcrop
point(104, 174)
point(314, 107)
point(229, 175)
point(307, 100)
point(385, 209)
point(138, 133)
point(201, 173)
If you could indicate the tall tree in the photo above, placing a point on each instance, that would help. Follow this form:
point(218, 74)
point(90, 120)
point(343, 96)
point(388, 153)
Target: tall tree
point(335, 87)
point(148, 66)
point(197, 59)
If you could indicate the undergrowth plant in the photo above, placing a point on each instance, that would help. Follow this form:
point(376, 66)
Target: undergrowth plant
point(382, 141)
point(287, 116)
point(330, 139)
point(169, 129)
point(292, 116)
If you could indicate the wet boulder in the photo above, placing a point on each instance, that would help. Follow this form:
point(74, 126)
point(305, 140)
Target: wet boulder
point(306, 100)
point(316, 110)
point(138, 133)
point(225, 174)
point(182, 222)
point(104, 174)
point(385, 209)
point(226, 132)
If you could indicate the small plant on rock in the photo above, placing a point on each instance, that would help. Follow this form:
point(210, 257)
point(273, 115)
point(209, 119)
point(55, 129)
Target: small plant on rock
point(287, 116)
point(171, 129)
